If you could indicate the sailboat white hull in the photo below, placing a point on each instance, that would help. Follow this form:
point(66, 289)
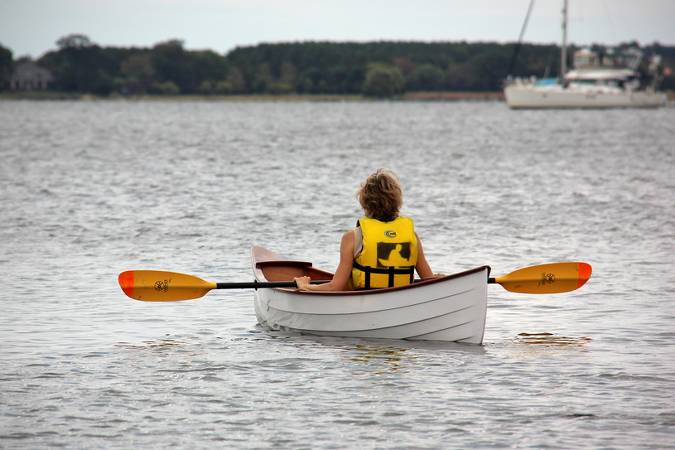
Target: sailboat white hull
point(599, 81)
point(522, 96)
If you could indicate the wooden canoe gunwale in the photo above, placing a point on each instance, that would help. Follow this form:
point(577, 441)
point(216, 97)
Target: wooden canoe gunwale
point(262, 259)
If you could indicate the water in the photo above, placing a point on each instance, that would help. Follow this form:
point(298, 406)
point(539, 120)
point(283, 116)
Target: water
point(89, 189)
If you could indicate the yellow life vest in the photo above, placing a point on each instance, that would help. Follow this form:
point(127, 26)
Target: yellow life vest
point(388, 256)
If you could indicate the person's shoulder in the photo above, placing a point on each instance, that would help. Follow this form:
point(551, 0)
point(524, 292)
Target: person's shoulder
point(407, 218)
point(347, 242)
point(348, 236)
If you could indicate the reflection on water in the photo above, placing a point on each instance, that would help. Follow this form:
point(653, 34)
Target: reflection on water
point(389, 357)
point(153, 345)
point(549, 339)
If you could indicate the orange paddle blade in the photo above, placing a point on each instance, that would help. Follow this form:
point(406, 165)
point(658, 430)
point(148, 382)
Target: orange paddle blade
point(161, 286)
point(547, 278)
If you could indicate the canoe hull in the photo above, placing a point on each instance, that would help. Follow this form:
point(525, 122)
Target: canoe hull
point(452, 308)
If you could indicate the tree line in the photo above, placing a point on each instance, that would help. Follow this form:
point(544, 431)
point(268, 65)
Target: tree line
point(379, 69)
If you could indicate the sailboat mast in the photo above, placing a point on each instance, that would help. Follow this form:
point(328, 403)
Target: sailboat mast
point(563, 49)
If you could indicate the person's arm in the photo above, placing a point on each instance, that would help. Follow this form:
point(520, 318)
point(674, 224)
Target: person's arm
point(423, 267)
point(340, 281)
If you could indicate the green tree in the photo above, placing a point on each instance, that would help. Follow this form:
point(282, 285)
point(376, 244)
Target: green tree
point(383, 81)
point(165, 88)
point(74, 41)
point(263, 78)
point(491, 68)
point(173, 65)
point(288, 74)
point(6, 66)
point(138, 72)
point(237, 81)
point(279, 88)
point(222, 87)
point(139, 66)
point(81, 66)
point(426, 77)
point(207, 65)
point(207, 87)
point(404, 65)
point(305, 85)
point(461, 77)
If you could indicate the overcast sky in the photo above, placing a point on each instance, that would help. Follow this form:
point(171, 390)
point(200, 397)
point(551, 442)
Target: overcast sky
point(31, 27)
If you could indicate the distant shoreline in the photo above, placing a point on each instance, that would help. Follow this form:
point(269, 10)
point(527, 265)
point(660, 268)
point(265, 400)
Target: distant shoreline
point(410, 96)
point(441, 96)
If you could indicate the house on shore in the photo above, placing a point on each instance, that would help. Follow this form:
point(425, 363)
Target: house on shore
point(28, 76)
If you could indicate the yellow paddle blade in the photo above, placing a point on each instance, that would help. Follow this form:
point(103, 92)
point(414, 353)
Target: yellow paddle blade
point(161, 286)
point(547, 278)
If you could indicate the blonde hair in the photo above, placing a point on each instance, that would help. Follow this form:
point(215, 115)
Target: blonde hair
point(381, 195)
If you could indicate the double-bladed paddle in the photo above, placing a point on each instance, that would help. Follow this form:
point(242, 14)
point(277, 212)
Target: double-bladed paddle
point(161, 286)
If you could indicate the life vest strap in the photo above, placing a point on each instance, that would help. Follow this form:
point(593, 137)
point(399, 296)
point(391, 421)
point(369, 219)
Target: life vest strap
point(391, 271)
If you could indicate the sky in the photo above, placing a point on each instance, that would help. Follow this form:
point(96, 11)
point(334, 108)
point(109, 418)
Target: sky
point(31, 27)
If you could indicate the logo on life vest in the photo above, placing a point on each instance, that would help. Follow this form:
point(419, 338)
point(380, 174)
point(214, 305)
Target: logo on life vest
point(390, 233)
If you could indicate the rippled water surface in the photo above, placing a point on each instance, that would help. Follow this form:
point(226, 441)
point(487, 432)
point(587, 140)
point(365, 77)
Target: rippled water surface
point(89, 189)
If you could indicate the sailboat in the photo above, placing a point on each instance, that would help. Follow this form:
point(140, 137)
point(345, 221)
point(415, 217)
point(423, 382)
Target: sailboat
point(610, 81)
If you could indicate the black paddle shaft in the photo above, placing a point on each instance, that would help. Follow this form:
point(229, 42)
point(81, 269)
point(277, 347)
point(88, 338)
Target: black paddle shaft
point(263, 284)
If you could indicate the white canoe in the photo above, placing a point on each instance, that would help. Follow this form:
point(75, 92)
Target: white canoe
point(451, 308)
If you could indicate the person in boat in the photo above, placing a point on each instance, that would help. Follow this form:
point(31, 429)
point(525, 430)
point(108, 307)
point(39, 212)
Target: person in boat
point(384, 249)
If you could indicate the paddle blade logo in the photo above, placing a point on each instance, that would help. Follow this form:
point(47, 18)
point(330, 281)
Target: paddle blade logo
point(390, 233)
point(162, 285)
point(546, 278)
